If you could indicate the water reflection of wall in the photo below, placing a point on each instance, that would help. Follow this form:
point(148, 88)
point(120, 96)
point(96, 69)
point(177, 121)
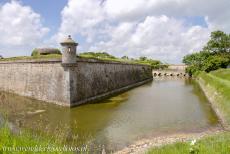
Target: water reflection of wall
point(78, 126)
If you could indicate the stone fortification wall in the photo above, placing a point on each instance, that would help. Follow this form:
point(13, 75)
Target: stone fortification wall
point(98, 79)
point(44, 80)
point(70, 85)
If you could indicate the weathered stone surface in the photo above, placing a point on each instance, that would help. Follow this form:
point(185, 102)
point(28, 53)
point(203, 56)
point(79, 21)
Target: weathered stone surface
point(73, 84)
point(41, 80)
point(69, 49)
point(97, 78)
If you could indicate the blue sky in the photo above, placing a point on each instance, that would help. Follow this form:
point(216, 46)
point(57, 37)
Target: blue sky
point(50, 10)
point(164, 30)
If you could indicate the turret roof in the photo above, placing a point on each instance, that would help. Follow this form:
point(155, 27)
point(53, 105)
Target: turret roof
point(69, 40)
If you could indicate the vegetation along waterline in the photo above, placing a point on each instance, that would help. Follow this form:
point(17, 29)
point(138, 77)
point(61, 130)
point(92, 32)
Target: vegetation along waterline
point(208, 68)
point(216, 86)
point(156, 115)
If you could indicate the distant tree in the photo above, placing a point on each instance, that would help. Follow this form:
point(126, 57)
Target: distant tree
point(132, 59)
point(219, 42)
point(124, 57)
point(196, 58)
point(143, 58)
point(192, 69)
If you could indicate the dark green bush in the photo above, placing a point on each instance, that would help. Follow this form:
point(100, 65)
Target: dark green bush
point(215, 62)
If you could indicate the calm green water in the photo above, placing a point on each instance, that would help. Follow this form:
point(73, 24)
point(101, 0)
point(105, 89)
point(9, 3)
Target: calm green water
point(162, 106)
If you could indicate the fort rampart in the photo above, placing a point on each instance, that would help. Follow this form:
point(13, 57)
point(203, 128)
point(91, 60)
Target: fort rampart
point(70, 84)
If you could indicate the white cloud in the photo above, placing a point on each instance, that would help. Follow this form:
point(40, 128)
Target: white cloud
point(82, 17)
point(217, 11)
point(140, 28)
point(20, 29)
point(135, 28)
point(155, 37)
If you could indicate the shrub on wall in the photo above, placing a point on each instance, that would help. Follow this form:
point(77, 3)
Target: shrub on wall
point(45, 51)
point(35, 53)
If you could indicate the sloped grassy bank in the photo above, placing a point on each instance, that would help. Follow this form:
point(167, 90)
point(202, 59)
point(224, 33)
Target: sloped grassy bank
point(216, 86)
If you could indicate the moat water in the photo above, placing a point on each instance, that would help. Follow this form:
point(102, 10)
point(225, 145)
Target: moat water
point(163, 106)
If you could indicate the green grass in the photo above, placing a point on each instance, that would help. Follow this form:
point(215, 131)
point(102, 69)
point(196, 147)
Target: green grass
point(86, 56)
point(116, 60)
point(25, 139)
point(51, 56)
point(222, 73)
point(155, 64)
point(216, 144)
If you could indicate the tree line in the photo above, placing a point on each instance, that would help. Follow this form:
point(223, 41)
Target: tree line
point(214, 55)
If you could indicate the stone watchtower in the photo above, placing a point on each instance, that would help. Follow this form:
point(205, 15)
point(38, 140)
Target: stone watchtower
point(69, 51)
point(69, 63)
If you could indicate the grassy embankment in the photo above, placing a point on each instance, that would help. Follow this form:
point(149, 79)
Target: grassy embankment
point(217, 87)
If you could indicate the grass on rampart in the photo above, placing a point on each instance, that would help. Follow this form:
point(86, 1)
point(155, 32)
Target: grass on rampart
point(104, 56)
point(108, 59)
point(52, 56)
point(216, 144)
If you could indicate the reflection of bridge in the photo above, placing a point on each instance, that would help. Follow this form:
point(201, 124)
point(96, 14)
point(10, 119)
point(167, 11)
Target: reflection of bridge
point(173, 70)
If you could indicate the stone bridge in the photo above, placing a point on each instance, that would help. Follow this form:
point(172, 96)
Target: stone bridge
point(171, 71)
